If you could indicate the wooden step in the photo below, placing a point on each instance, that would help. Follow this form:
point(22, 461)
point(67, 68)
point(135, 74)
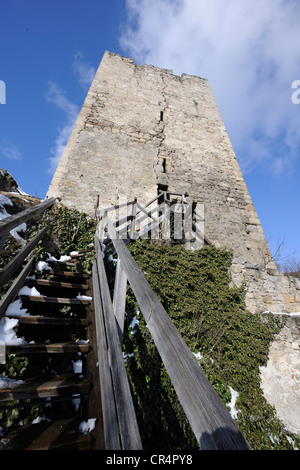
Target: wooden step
point(40, 320)
point(43, 386)
point(56, 435)
point(53, 300)
point(47, 348)
point(70, 263)
point(56, 284)
point(68, 274)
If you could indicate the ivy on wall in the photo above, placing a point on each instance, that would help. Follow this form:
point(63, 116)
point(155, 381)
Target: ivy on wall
point(194, 288)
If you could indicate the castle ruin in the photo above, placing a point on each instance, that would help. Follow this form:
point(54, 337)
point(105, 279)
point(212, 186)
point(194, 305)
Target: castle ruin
point(143, 129)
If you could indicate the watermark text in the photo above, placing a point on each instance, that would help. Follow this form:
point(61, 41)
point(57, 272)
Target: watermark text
point(296, 94)
point(2, 92)
point(2, 353)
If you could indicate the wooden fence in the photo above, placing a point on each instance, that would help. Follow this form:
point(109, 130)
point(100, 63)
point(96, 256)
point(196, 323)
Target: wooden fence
point(208, 416)
point(167, 216)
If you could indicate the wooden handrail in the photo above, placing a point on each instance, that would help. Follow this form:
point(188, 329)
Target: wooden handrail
point(8, 271)
point(124, 423)
point(109, 412)
point(209, 418)
point(15, 287)
point(9, 223)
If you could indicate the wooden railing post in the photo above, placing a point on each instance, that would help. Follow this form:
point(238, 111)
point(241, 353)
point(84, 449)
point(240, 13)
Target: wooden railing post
point(132, 225)
point(119, 300)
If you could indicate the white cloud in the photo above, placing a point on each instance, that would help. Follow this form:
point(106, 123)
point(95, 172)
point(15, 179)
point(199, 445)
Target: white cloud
point(58, 97)
point(84, 71)
point(9, 150)
point(248, 51)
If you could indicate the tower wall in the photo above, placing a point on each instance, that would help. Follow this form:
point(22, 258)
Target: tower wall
point(141, 127)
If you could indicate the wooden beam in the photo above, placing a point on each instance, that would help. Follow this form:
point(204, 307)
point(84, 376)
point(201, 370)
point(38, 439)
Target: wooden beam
point(132, 225)
point(15, 287)
point(119, 300)
point(7, 272)
point(109, 412)
point(7, 224)
point(148, 213)
point(209, 418)
point(128, 427)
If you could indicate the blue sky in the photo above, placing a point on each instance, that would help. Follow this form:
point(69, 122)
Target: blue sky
point(249, 52)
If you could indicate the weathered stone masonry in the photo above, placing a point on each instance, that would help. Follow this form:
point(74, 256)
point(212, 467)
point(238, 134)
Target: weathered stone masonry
point(142, 126)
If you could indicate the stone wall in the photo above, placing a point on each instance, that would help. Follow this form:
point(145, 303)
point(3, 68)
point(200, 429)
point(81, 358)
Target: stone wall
point(266, 288)
point(280, 378)
point(141, 127)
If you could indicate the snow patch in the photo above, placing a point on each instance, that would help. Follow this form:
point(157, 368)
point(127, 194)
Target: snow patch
point(39, 419)
point(29, 291)
point(7, 333)
point(198, 356)
point(7, 382)
point(84, 297)
point(15, 309)
point(62, 259)
point(42, 266)
point(233, 410)
point(87, 426)
point(77, 366)
point(134, 322)
point(292, 314)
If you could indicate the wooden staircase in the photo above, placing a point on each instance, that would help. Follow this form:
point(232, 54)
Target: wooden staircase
point(59, 332)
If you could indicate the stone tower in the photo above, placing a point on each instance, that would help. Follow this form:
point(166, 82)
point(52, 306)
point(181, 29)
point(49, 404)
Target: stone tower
point(142, 128)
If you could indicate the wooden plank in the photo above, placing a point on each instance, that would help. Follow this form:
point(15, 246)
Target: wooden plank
point(154, 199)
point(15, 287)
point(147, 213)
point(57, 284)
point(209, 418)
point(53, 300)
point(119, 300)
point(42, 387)
point(3, 240)
point(154, 225)
point(67, 274)
point(61, 434)
point(7, 224)
point(45, 348)
point(109, 412)
point(66, 264)
point(8, 271)
point(120, 222)
point(55, 435)
point(128, 427)
point(39, 320)
point(93, 404)
point(133, 221)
